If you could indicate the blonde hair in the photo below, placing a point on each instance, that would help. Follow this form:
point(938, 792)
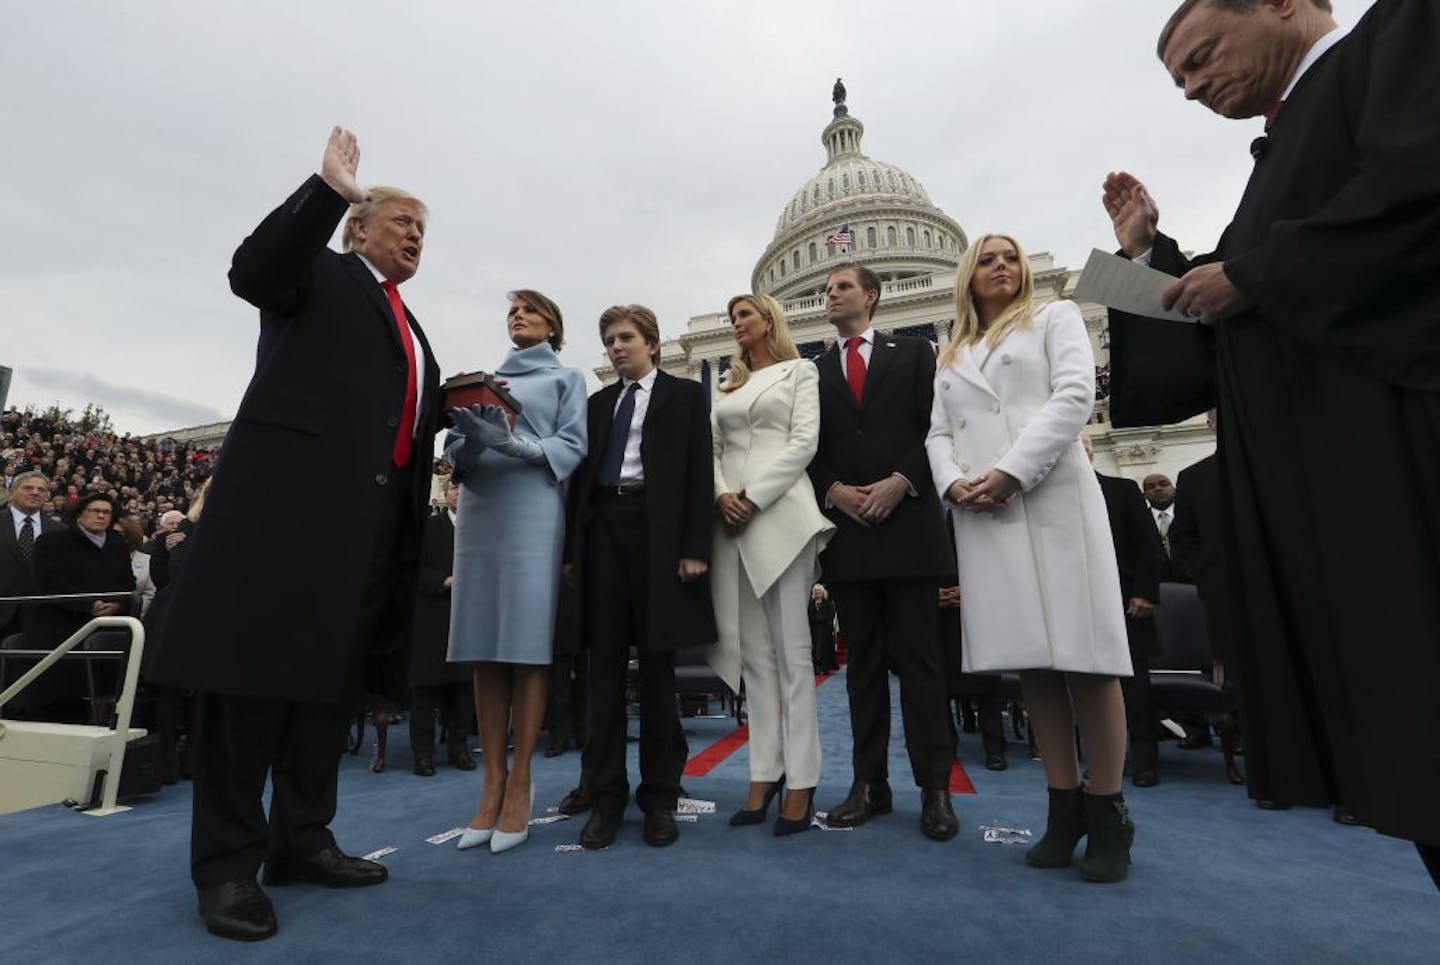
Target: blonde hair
point(363, 211)
point(197, 505)
point(967, 330)
point(777, 338)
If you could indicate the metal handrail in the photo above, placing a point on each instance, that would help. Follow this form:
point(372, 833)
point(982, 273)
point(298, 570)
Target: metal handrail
point(121, 732)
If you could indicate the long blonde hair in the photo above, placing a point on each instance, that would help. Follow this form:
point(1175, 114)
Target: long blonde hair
point(777, 338)
point(967, 330)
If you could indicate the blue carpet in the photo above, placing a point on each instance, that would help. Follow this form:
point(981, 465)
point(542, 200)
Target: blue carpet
point(1215, 880)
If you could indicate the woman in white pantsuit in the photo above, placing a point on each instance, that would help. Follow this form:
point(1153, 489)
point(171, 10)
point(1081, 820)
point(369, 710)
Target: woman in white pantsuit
point(1038, 578)
point(766, 427)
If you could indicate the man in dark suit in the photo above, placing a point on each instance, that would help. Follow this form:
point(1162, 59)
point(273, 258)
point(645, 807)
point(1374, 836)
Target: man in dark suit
point(872, 477)
point(280, 645)
point(1317, 341)
point(435, 683)
point(1140, 558)
point(639, 535)
point(24, 522)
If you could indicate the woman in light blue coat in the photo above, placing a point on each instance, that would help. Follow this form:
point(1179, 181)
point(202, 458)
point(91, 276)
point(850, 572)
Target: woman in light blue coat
point(509, 532)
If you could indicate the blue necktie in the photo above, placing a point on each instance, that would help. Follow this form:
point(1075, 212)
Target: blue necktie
point(619, 435)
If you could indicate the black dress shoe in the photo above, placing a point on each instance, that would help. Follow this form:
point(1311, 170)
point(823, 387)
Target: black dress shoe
point(576, 802)
point(660, 829)
point(331, 867)
point(238, 910)
point(996, 762)
point(865, 800)
point(424, 767)
point(1195, 741)
point(1342, 816)
point(1265, 804)
point(937, 815)
point(460, 758)
point(1145, 778)
point(599, 832)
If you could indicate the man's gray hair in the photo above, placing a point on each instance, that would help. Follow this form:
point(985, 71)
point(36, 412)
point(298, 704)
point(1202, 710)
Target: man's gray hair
point(1239, 6)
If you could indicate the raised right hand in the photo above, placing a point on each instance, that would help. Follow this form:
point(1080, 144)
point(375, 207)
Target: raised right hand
point(338, 167)
point(1133, 213)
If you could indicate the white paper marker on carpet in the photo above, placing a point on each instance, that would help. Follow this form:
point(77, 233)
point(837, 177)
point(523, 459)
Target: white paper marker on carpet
point(548, 819)
point(682, 816)
point(994, 835)
point(377, 855)
point(689, 805)
point(445, 836)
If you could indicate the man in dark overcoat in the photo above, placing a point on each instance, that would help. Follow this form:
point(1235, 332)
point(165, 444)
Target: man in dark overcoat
point(1140, 558)
point(1317, 339)
point(639, 534)
point(278, 643)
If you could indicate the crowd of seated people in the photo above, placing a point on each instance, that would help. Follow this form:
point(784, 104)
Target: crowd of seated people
point(144, 477)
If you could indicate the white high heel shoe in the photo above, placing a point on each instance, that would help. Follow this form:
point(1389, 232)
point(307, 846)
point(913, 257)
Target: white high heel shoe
point(505, 840)
point(473, 838)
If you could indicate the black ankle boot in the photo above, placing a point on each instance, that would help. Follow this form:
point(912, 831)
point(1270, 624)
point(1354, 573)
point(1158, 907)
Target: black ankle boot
point(1111, 832)
point(1064, 827)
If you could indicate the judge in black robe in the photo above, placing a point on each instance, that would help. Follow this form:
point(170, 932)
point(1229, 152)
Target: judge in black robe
point(1322, 348)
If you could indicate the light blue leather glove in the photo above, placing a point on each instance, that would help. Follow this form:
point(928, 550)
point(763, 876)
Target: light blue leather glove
point(495, 431)
point(470, 424)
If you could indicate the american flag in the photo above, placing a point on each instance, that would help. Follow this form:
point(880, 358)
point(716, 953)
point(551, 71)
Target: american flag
point(842, 238)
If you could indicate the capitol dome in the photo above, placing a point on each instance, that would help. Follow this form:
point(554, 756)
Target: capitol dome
point(893, 225)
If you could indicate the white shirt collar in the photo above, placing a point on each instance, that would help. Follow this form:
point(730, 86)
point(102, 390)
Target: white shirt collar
point(868, 336)
point(379, 275)
point(21, 517)
point(646, 381)
point(1315, 53)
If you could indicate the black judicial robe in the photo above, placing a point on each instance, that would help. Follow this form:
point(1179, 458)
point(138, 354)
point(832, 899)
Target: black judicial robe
point(1329, 398)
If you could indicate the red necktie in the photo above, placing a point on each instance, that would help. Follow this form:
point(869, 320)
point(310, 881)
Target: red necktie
point(1271, 114)
point(405, 436)
point(855, 367)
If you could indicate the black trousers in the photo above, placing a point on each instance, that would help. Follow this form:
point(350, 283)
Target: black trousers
point(617, 569)
point(1140, 716)
point(455, 702)
point(565, 703)
point(989, 717)
point(239, 740)
point(895, 623)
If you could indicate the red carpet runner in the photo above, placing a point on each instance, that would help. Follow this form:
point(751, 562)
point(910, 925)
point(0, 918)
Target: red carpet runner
point(711, 757)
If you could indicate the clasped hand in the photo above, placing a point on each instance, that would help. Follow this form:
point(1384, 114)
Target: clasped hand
point(735, 510)
point(985, 493)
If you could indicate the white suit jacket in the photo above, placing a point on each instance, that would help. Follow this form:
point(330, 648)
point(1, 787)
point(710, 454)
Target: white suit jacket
point(765, 434)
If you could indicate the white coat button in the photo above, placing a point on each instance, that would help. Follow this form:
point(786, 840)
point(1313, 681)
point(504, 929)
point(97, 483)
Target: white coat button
point(945, 386)
point(960, 422)
point(1005, 359)
point(995, 407)
point(964, 467)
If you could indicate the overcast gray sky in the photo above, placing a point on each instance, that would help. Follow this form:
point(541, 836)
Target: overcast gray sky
point(600, 152)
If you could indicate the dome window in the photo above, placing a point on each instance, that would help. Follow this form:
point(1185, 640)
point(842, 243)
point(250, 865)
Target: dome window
point(845, 182)
point(812, 253)
point(890, 236)
point(910, 237)
point(927, 239)
point(860, 178)
point(796, 256)
point(869, 235)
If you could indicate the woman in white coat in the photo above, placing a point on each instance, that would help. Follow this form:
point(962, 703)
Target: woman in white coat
point(766, 426)
point(1013, 390)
